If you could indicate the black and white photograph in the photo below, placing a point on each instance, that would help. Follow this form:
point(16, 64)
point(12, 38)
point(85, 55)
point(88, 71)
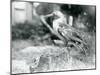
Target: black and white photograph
point(52, 37)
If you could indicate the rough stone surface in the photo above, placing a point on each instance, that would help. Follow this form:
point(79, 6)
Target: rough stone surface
point(47, 58)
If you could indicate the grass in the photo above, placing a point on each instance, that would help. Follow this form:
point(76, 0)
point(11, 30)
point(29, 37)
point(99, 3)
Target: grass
point(59, 59)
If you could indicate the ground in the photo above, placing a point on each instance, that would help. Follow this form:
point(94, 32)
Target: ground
point(27, 58)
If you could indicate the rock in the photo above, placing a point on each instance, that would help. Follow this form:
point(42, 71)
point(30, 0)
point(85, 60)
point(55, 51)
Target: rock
point(44, 59)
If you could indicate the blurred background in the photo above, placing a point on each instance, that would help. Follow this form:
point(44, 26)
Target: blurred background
point(26, 18)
